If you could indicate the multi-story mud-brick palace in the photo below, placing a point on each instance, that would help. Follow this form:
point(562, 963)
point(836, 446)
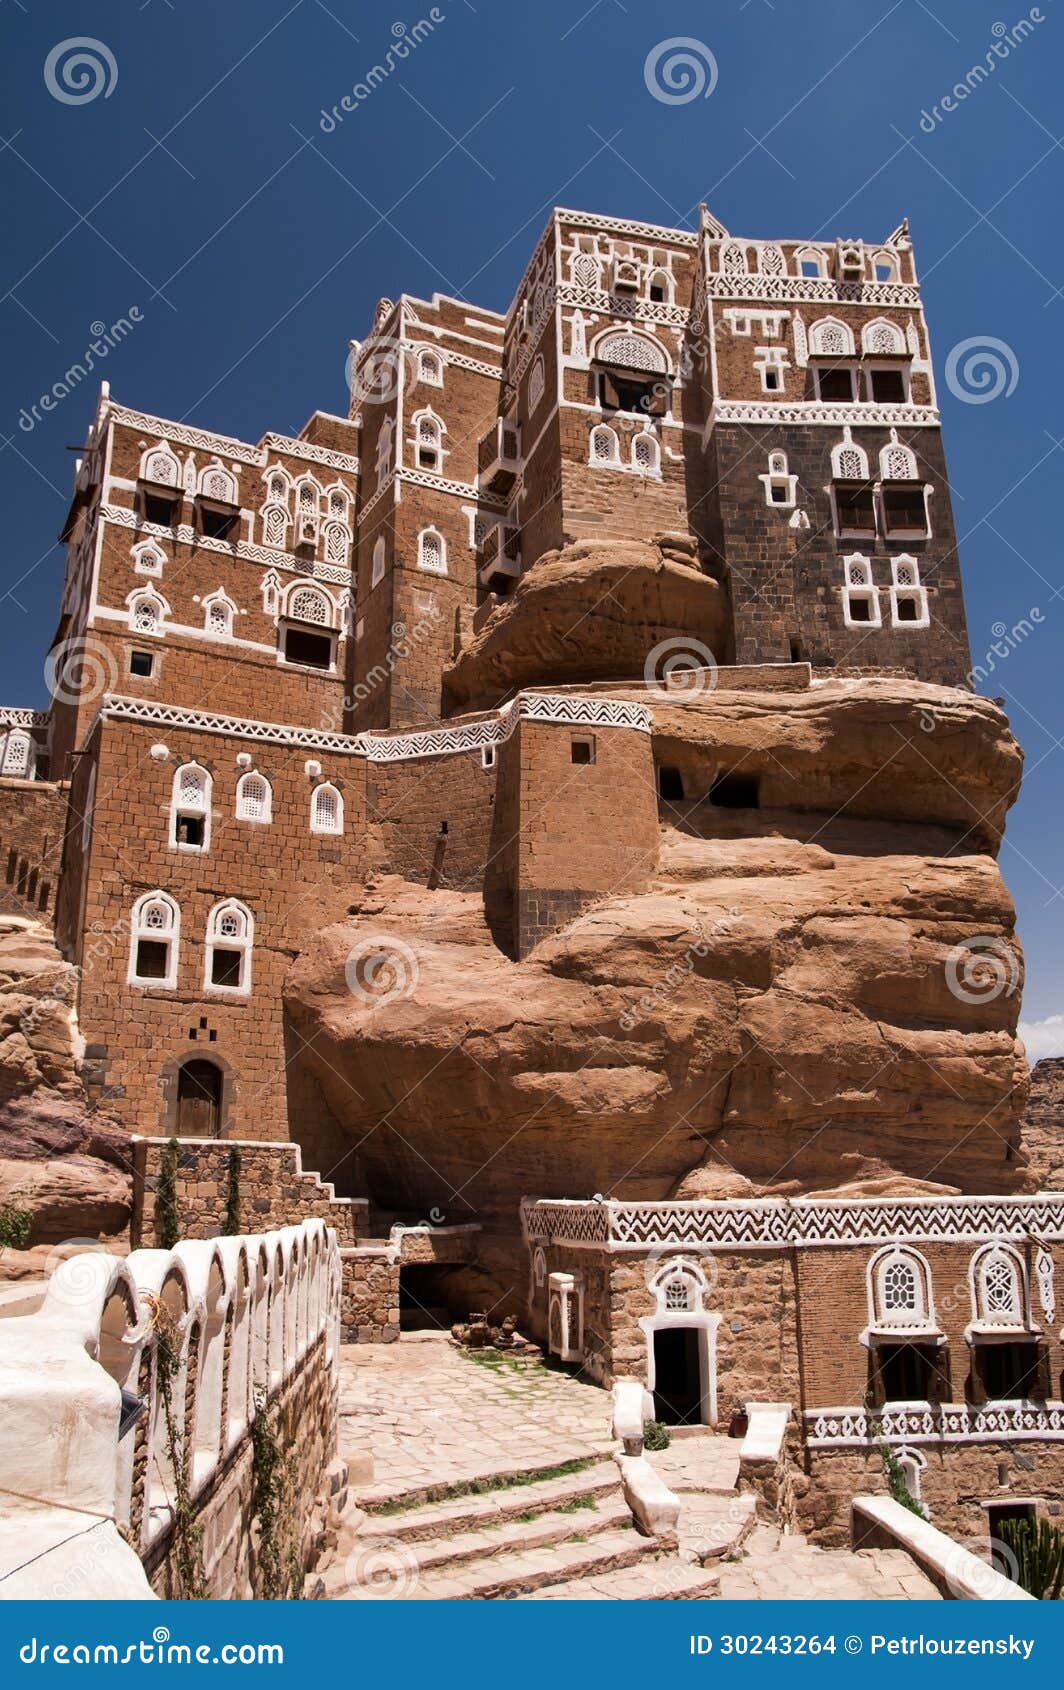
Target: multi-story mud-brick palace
point(595, 691)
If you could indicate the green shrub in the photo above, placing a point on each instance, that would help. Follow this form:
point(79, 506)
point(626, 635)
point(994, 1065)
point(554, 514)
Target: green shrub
point(167, 1229)
point(655, 1435)
point(15, 1227)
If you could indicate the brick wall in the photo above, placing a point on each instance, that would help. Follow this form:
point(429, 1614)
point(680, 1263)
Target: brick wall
point(32, 820)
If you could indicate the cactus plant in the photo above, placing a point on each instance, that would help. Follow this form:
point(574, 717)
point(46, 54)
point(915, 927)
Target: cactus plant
point(1038, 1550)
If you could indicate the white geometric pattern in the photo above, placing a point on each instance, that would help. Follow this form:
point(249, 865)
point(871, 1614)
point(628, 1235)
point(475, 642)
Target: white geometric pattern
point(854, 1428)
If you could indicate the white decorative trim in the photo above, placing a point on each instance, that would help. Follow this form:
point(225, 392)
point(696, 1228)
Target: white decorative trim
point(653, 232)
point(123, 517)
point(860, 414)
point(1043, 1273)
point(223, 446)
point(13, 716)
point(811, 290)
point(938, 1423)
point(563, 709)
point(802, 1222)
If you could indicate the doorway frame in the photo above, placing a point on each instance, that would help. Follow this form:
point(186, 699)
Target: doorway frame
point(705, 1322)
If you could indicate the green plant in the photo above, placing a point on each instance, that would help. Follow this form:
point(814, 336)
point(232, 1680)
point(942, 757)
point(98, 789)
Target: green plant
point(655, 1435)
point(231, 1224)
point(1038, 1550)
point(167, 1228)
point(279, 1571)
point(190, 1578)
point(15, 1227)
point(897, 1483)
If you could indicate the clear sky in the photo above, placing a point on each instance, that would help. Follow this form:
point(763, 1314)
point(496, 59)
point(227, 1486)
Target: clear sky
point(200, 186)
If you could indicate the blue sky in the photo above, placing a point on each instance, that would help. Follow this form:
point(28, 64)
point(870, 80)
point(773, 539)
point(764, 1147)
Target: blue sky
point(203, 190)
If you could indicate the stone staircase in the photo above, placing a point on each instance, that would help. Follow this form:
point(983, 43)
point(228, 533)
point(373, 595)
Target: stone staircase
point(564, 1533)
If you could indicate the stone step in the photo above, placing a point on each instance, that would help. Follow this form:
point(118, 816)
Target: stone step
point(493, 1576)
point(711, 1527)
point(385, 1495)
point(493, 1507)
point(662, 1579)
point(452, 1555)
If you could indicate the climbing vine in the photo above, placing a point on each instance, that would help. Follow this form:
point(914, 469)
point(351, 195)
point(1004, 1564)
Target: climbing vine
point(273, 1508)
point(231, 1224)
point(190, 1578)
point(167, 1228)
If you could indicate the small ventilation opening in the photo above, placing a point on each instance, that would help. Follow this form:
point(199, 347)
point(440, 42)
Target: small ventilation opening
point(142, 663)
point(735, 792)
point(582, 751)
point(670, 784)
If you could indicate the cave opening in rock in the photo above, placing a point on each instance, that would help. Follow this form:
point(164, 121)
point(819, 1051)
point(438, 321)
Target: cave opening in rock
point(678, 1375)
point(424, 1298)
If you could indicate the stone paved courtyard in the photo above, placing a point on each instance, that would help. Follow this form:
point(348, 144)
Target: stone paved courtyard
point(435, 1421)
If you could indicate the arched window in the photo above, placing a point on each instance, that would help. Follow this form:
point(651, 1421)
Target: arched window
point(679, 1287)
point(810, 262)
point(271, 593)
point(860, 597)
point(428, 441)
point(254, 798)
point(631, 352)
point(830, 338)
point(218, 613)
point(217, 483)
point(605, 450)
point(379, 555)
point(383, 461)
point(897, 462)
point(999, 1289)
point(430, 368)
point(230, 936)
point(277, 486)
point(337, 542)
point(780, 486)
point(659, 287)
point(190, 808)
point(883, 338)
point(160, 466)
point(148, 558)
point(17, 754)
point(646, 453)
point(147, 612)
point(909, 606)
point(885, 267)
point(432, 551)
point(308, 497)
point(849, 462)
point(155, 929)
point(309, 604)
point(536, 383)
point(326, 809)
point(900, 1297)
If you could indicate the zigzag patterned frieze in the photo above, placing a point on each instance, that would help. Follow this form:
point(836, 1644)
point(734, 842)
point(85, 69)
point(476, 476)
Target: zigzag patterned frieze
point(12, 716)
point(395, 748)
point(612, 305)
point(223, 446)
point(626, 226)
point(803, 1223)
point(121, 516)
point(917, 1423)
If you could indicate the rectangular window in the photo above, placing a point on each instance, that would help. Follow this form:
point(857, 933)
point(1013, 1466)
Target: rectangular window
point(887, 387)
point(217, 524)
point(153, 959)
point(142, 663)
point(226, 967)
point(855, 509)
point(906, 1372)
point(160, 508)
point(904, 510)
point(627, 393)
point(1007, 1372)
point(189, 830)
point(314, 651)
point(582, 751)
point(835, 385)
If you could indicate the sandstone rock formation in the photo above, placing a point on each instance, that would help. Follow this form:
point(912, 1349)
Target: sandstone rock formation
point(68, 1167)
point(1043, 1126)
point(819, 994)
point(593, 611)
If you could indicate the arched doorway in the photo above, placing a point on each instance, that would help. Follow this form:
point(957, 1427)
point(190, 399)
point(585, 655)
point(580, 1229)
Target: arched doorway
point(199, 1099)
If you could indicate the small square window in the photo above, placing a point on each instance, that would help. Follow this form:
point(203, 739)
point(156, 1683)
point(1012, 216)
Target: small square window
point(778, 492)
point(160, 508)
point(772, 379)
point(142, 663)
point(855, 508)
point(860, 609)
point(189, 830)
point(217, 525)
point(810, 267)
point(905, 509)
point(314, 651)
point(582, 751)
point(153, 959)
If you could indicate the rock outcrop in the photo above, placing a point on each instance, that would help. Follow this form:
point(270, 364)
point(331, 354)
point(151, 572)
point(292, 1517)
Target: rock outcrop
point(67, 1167)
point(1043, 1126)
point(819, 994)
